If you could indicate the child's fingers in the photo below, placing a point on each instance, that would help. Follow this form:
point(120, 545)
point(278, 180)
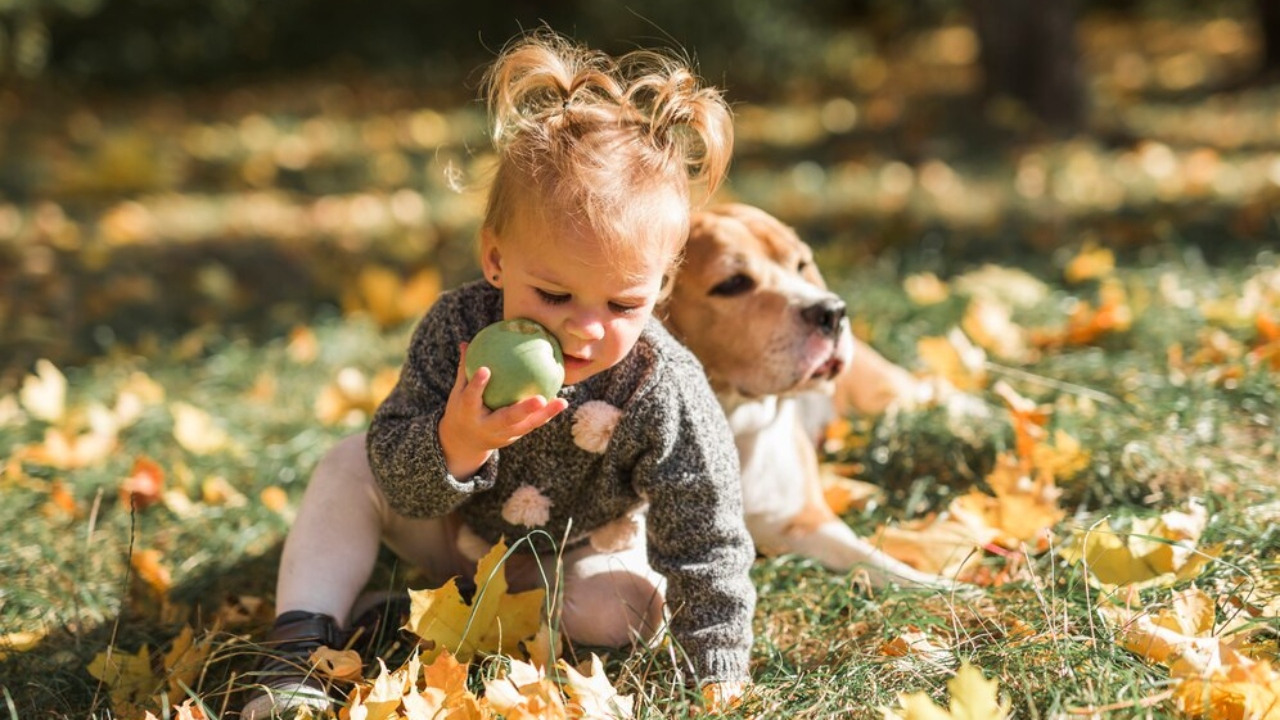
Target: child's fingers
point(528, 415)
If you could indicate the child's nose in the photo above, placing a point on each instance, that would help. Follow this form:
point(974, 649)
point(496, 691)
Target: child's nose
point(586, 327)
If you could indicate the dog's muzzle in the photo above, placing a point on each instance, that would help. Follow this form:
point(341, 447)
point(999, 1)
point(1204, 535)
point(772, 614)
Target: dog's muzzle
point(825, 315)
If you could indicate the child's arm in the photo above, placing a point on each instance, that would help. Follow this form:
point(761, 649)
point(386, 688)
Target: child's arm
point(696, 535)
point(432, 443)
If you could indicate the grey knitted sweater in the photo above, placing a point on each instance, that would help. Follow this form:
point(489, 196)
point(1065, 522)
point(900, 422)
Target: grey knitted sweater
point(670, 446)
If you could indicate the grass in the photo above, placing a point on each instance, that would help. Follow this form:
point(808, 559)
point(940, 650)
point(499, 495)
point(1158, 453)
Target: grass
point(825, 644)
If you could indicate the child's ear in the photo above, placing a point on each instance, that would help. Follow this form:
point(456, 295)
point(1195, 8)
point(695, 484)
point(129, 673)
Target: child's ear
point(490, 258)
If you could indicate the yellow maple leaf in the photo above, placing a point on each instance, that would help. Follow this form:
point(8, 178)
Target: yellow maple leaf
point(1158, 551)
point(973, 697)
point(184, 662)
point(128, 678)
point(591, 695)
point(495, 622)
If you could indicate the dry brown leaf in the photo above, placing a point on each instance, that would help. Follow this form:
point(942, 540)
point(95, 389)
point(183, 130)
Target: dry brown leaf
point(275, 499)
point(62, 503)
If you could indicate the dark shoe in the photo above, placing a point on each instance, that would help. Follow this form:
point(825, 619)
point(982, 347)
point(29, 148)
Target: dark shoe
point(378, 626)
point(284, 680)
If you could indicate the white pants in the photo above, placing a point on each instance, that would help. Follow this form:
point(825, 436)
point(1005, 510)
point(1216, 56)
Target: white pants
point(609, 599)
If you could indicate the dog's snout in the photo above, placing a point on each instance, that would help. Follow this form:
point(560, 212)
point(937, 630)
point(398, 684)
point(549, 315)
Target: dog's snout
point(825, 315)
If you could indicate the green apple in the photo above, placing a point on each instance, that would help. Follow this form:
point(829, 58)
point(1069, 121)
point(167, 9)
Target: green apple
point(524, 360)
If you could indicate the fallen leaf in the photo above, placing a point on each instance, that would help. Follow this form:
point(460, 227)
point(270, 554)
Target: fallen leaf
point(843, 494)
point(184, 663)
point(44, 394)
point(340, 664)
point(196, 430)
point(1091, 263)
point(1158, 551)
point(68, 450)
point(275, 499)
point(303, 347)
point(591, 695)
point(145, 485)
point(16, 642)
point(217, 491)
point(1023, 509)
point(990, 324)
point(496, 622)
point(955, 359)
point(973, 697)
point(925, 289)
point(146, 563)
point(524, 693)
point(128, 678)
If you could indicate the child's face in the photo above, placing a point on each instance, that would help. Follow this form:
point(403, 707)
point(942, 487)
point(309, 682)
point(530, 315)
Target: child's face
point(594, 307)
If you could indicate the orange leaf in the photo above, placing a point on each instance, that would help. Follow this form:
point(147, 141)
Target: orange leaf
point(149, 568)
point(144, 486)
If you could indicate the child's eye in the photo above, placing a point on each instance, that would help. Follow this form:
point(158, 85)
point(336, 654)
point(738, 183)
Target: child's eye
point(624, 309)
point(551, 298)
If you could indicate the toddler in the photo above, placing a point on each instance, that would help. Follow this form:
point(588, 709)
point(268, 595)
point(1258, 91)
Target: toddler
point(632, 465)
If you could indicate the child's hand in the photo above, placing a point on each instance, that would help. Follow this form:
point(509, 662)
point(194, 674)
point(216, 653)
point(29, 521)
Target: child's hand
point(469, 431)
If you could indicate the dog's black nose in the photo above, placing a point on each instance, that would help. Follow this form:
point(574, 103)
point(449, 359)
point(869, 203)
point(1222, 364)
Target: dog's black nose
point(825, 315)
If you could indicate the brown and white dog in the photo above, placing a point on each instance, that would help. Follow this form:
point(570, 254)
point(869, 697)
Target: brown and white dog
point(751, 304)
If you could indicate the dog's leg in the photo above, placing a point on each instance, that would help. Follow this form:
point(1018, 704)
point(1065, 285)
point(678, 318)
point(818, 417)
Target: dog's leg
point(786, 512)
point(870, 384)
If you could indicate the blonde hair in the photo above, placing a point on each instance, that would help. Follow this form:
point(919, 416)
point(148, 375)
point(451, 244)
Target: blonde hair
point(611, 144)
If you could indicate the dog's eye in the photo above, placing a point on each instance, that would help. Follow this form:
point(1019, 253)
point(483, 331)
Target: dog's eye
point(736, 285)
point(802, 265)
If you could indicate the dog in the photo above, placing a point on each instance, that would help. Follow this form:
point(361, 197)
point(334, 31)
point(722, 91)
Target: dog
point(775, 342)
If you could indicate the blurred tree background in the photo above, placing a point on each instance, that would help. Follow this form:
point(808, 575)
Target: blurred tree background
point(168, 164)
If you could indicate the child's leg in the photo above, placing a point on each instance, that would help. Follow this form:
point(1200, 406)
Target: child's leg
point(612, 599)
point(333, 545)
